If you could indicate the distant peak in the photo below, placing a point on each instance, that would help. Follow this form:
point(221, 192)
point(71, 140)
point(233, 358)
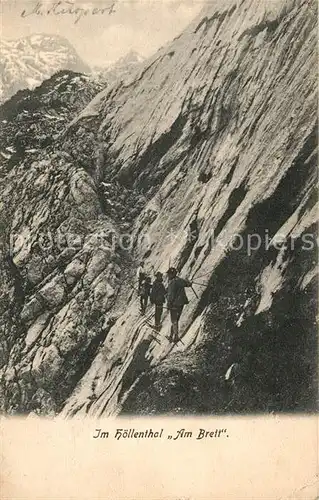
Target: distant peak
point(131, 57)
point(30, 60)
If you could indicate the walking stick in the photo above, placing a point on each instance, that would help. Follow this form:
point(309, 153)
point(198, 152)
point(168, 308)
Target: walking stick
point(202, 275)
point(199, 284)
point(194, 292)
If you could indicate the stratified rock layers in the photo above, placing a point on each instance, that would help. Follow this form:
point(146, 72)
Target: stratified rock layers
point(220, 123)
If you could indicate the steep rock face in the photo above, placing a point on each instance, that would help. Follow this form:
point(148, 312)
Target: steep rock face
point(50, 221)
point(218, 128)
point(33, 120)
point(62, 287)
point(26, 62)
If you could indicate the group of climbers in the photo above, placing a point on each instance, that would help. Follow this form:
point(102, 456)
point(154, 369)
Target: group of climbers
point(174, 296)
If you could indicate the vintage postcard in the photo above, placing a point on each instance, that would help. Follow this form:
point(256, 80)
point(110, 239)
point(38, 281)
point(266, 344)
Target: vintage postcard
point(158, 250)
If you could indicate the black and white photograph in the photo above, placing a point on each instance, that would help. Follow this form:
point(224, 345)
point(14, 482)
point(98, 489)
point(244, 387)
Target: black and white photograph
point(159, 208)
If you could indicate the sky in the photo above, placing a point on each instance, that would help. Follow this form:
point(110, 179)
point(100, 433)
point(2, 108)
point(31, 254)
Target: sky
point(141, 25)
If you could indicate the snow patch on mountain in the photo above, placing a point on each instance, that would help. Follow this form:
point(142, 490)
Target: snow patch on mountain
point(27, 62)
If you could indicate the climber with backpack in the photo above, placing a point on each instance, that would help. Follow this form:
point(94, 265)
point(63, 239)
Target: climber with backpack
point(157, 298)
point(144, 290)
point(176, 300)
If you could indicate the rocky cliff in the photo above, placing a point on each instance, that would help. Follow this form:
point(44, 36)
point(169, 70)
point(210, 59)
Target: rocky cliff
point(218, 130)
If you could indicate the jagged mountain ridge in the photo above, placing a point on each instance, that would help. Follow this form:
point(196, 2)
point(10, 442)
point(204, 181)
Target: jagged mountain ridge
point(121, 68)
point(27, 62)
point(37, 118)
point(221, 122)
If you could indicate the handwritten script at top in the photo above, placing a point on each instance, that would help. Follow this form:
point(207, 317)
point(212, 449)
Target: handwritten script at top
point(66, 7)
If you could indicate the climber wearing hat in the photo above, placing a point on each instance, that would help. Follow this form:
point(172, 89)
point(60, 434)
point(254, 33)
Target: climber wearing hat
point(176, 300)
point(157, 297)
